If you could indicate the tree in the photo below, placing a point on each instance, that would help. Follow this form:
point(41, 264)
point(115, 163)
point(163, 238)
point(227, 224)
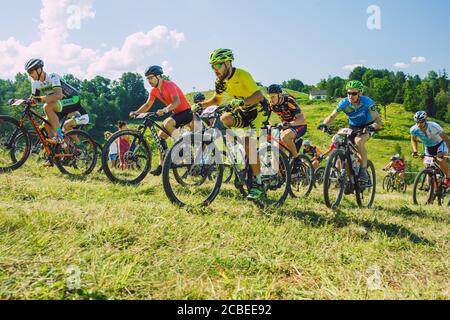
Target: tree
point(442, 100)
point(424, 91)
point(72, 81)
point(383, 92)
point(411, 100)
point(293, 84)
point(131, 93)
point(357, 73)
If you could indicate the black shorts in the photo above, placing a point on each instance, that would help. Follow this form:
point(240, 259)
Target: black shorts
point(183, 118)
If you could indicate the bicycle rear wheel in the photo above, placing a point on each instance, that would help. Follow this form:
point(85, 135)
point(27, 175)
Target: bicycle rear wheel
point(78, 157)
point(302, 180)
point(13, 152)
point(133, 157)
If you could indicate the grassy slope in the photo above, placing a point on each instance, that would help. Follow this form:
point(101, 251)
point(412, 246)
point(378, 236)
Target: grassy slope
point(129, 242)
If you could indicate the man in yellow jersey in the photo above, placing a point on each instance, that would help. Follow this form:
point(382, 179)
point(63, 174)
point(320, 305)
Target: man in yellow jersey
point(250, 107)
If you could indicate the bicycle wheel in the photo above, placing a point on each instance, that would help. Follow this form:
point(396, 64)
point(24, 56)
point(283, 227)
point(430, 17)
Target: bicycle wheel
point(385, 181)
point(13, 152)
point(335, 179)
point(134, 157)
point(202, 166)
point(275, 174)
point(424, 188)
point(366, 196)
point(302, 181)
point(78, 156)
point(318, 177)
point(403, 186)
point(390, 184)
point(37, 152)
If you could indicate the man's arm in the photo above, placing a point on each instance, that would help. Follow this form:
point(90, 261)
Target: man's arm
point(145, 107)
point(56, 95)
point(445, 137)
point(330, 118)
point(214, 101)
point(175, 104)
point(376, 117)
point(414, 143)
point(255, 98)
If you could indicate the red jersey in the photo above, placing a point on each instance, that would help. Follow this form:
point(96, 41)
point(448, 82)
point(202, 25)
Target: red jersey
point(397, 165)
point(168, 90)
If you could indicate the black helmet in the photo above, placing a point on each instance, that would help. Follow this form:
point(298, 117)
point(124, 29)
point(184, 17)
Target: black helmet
point(154, 70)
point(33, 64)
point(274, 88)
point(199, 97)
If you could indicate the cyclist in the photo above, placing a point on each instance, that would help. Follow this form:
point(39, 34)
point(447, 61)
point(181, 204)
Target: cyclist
point(314, 152)
point(250, 107)
point(174, 99)
point(294, 120)
point(397, 167)
point(362, 114)
point(59, 99)
point(435, 140)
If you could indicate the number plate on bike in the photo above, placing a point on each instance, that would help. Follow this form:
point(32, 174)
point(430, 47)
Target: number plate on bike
point(428, 160)
point(345, 132)
point(209, 112)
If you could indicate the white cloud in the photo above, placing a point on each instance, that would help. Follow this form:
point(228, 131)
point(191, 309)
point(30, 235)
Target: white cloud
point(418, 59)
point(57, 19)
point(351, 67)
point(401, 65)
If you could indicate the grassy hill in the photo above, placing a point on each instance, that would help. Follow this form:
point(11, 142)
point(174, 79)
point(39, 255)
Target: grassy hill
point(131, 243)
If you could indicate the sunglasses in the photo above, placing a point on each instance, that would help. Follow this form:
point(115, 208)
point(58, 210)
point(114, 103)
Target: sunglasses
point(352, 93)
point(217, 66)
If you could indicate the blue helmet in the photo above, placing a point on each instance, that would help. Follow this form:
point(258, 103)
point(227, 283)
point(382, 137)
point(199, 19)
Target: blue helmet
point(274, 88)
point(154, 70)
point(199, 97)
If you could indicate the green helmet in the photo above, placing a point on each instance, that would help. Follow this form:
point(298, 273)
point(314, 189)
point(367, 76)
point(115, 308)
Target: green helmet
point(355, 84)
point(221, 55)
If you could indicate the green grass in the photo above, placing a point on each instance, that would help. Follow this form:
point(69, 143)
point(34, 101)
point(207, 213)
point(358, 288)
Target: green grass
point(131, 243)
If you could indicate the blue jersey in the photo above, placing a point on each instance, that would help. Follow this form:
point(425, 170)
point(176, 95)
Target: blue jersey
point(433, 136)
point(358, 116)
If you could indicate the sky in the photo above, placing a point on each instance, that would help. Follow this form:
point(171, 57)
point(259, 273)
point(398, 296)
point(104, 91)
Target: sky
point(273, 40)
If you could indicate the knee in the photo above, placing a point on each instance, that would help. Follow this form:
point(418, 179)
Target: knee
point(227, 119)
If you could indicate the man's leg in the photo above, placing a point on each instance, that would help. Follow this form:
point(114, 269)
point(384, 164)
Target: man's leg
point(361, 145)
point(288, 137)
point(170, 125)
point(50, 110)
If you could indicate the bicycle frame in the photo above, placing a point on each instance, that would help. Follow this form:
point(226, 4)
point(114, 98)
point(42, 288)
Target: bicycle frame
point(28, 113)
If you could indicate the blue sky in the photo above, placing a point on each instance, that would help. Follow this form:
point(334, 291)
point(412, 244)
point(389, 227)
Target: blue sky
point(274, 40)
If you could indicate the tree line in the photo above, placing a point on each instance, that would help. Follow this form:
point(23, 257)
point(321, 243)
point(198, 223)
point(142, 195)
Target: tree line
point(108, 101)
point(431, 93)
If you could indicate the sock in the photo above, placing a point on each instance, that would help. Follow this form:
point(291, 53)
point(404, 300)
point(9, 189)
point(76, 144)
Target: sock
point(59, 133)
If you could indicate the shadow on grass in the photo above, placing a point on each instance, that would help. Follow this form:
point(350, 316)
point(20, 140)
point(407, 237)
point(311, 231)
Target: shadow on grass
point(340, 220)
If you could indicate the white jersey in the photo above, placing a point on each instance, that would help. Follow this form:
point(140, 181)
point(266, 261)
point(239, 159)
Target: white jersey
point(433, 136)
point(52, 81)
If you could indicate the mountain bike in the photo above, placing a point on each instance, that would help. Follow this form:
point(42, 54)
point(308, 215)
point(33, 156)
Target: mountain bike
point(75, 157)
point(428, 185)
point(202, 156)
point(391, 182)
point(342, 171)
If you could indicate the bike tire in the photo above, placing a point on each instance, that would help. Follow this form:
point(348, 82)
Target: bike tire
point(16, 163)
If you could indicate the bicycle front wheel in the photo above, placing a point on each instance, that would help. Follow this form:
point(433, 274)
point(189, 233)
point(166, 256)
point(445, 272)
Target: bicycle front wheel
point(424, 188)
point(77, 157)
point(193, 172)
point(302, 178)
point(126, 157)
point(275, 174)
point(335, 179)
point(13, 151)
point(366, 196)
